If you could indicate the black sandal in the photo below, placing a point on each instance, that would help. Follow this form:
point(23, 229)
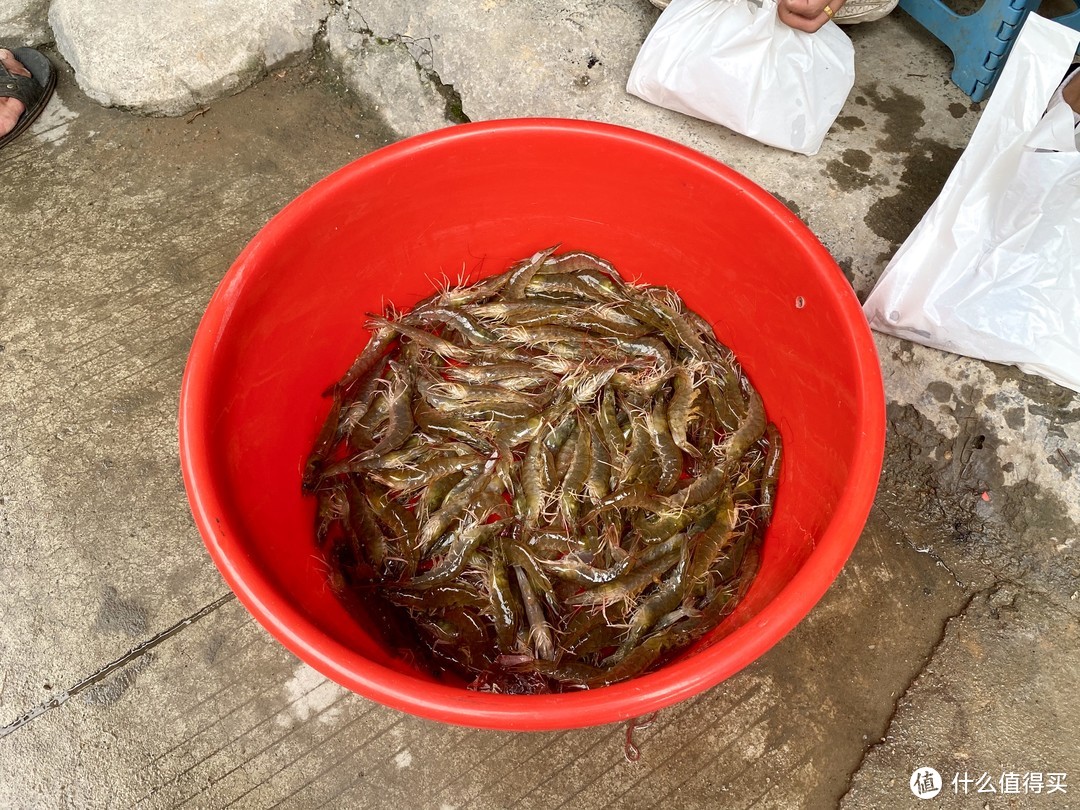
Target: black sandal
point(33, 91)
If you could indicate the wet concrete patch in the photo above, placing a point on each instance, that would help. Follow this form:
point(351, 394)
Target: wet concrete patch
point(926, 164)
point(857, 159)
point(903, 117)
point(847, 177)
point(847, 265)
point(214, 645)
point(926, 168)
point(1014, 418)
point(850, 122)
point(851, 172)
point(1057, 404)
point(111, 690)
point(1052, 402)
point(118, 615)
point(940, 390)
point(951, 494)
point(791, 204)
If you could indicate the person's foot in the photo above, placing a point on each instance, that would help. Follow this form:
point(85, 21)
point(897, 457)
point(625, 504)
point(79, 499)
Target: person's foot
point(11, 108)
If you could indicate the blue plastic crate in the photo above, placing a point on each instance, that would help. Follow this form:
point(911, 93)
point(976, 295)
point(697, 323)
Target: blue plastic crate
point(979, 42)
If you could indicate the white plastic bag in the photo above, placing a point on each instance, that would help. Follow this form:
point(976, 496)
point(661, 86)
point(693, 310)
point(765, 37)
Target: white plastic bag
point(735, 63)
point(993, 269)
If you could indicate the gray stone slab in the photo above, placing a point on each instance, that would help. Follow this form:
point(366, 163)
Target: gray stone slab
point(986, 732)
point(169, 58)
point(221, 715)
point(395, 77)
point(24, 22)
point(118, 232)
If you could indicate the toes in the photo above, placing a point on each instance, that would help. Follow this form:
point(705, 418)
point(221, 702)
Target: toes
point(11, 108)
point(10, 111)
point(13, 64)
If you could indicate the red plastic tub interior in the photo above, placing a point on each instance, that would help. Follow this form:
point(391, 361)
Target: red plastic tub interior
point(288, 319)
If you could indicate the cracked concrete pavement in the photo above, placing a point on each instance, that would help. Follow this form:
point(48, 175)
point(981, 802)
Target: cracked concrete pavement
point(127, 675)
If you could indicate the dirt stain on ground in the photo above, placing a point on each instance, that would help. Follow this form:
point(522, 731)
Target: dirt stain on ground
point(1057, 404)
point(927, 165)
point(953, 496)
point(1065, 462)
point(111, 690)
point(847, 265)
point(851, 172)
point(845, 177)
point(941, 391)
point(893, 218)
point(857, 159)
point(850, 122)
point(791, 204)
point(117, 615)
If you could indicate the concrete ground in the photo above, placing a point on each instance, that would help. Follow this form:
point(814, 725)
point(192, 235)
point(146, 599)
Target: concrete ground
point(130, 677)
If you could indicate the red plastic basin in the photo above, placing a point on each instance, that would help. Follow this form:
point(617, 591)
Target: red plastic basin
point(287, 321)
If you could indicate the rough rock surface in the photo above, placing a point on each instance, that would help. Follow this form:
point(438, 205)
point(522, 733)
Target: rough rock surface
point(388, 70)
point(491, 54)
point(24, 22)
point(167, 59)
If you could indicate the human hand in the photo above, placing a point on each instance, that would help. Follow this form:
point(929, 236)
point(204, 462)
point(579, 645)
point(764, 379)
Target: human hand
point(807, 15)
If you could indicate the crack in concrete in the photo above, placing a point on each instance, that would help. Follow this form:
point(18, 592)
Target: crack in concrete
point(134, 654)
point(420, 49)
point(421, 52)
point(928, 550)
point(884, 735)
point(455, 112)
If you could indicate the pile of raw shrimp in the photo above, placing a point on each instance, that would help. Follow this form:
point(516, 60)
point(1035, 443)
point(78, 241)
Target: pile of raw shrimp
point(550, 479)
